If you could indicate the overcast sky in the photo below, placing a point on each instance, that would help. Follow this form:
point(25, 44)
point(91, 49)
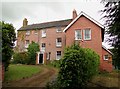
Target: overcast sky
point(38, 11)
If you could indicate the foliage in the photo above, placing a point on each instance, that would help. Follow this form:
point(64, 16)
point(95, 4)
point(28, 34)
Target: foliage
point(55, 63)
point(20, 58)
point(8, 39)
point(77, 67)
point(112, 16)
point(32, 49)
point(17, 72)
point(53, 85)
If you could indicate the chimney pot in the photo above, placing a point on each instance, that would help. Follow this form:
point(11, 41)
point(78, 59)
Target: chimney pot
point(74, 14)
point(25, 22)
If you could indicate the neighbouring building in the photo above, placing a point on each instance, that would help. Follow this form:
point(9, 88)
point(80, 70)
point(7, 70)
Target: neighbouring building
point(54, 36)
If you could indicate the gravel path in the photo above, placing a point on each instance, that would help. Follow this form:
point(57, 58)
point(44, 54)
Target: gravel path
point(37, 80)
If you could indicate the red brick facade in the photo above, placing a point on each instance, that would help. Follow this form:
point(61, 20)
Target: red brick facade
point(94, 43)
point(67, 36)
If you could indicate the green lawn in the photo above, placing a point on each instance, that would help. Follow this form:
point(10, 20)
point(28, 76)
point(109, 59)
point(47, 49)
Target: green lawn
point(107, 79)
point(17, 72)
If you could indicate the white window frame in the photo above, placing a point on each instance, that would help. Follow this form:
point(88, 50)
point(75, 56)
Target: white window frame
point(58, 29)
point(76, 37)
point(105, 57)
point(27, 33)
point(58, 58)
point(43, 33)
point(43, 48)
point(27, 43)
point(84, 34)
point(58, 44)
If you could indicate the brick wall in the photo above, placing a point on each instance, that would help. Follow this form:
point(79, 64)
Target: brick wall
point(106, 64)
point(49, 40)
point(96, 39)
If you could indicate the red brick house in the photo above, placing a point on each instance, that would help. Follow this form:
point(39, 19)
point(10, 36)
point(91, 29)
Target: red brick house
point(54, 36)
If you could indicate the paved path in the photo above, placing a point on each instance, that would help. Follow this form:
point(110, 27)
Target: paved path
point(37, 80)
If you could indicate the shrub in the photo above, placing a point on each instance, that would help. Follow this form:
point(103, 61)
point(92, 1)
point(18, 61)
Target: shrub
point(77, 67)
point(55, 63)
point(20, 58)
point(32, 49)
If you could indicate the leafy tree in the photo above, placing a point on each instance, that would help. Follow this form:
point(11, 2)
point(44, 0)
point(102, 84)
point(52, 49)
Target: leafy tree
point(21, 58)
point(32, 49)
point(112, 16)
point(8, 39)
point(77, 67)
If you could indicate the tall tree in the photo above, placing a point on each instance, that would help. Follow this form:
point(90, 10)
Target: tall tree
point(8, 39)
point(112, 16)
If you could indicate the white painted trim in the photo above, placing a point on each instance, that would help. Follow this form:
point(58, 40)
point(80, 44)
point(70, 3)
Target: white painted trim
point(87, 16)
point(56, 55)
point(107, 49)
point(43, 58)
point(104, 58)
point(38, 56)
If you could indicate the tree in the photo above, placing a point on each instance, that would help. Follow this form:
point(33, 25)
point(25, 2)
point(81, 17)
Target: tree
point(8, 39)
point(32, 49)
point(77, 67)
point(112, 16)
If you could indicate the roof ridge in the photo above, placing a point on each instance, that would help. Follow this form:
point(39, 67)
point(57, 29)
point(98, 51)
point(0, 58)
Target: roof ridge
point(50, 21)
point(56, 23)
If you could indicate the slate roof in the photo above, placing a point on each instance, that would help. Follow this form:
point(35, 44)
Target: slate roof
point(46, 25)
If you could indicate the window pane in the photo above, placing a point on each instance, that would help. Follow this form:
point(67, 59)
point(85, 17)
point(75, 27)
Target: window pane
point(27, 41)
point(59, 40)
point(58, 52)
point(87, 34)
point(105, 57)
point(43, 44)
point(44, 33)
point(78, 34)
point(27, 32)
point(58, 56)
point(59, 29)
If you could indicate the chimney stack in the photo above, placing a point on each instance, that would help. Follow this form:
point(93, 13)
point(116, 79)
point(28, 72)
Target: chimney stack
point(74, 14)
point(25, 22)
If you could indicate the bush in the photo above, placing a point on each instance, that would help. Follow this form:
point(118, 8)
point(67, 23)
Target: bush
point(77, 67)
point(53, 84)
point(55, 63)
point(20, 58)
point(32, 49)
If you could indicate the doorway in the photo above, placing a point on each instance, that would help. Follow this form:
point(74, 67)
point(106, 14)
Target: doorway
point(40, 58)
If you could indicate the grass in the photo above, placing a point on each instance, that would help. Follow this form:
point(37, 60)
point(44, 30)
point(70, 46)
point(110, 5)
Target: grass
point(17, 72)
point(107, 79)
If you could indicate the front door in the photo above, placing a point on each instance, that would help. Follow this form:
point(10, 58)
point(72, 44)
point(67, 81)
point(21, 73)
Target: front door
point(40, 58)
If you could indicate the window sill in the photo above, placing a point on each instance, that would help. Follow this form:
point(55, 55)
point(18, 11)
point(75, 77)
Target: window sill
point(78, 39)
point(59, 32)
point(87, 39)
point(58, 46)
point(106, 59)
point(43, 36)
